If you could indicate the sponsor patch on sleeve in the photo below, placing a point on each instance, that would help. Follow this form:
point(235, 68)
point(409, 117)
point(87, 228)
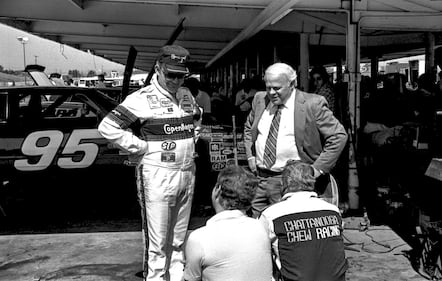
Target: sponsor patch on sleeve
point(153, 101)
point(166, 102)
point(187, 106)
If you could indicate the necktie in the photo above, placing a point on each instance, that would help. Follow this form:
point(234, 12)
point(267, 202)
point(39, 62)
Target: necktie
point(270, 148)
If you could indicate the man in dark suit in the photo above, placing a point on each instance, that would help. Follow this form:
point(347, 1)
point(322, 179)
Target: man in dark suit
point(286, 123)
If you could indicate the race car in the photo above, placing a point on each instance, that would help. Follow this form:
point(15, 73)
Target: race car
point(54, 165)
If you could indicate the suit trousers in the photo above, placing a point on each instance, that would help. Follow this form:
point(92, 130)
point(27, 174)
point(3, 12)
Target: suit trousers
point(268, 192)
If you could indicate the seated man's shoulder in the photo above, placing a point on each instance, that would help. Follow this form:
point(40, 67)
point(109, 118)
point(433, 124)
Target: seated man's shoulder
point(286, 207)
point(326, 205)
point(197, 234)
point(274, 210)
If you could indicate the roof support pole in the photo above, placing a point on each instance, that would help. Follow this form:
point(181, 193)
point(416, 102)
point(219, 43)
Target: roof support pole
point(429, 52)
point(374, 70)
point(226, 82)
point(219, 76)
point(246, 67)
point(353, 78)
point(339, 70)
point(237, 73)
point(354, 75)
point(275, 54)
point(232, 79)
point(304, 58)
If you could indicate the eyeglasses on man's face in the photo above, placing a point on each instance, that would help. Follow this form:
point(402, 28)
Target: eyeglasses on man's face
point(173, 75)
point(276, 88)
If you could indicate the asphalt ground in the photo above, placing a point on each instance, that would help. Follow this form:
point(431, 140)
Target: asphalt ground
point(377, 253)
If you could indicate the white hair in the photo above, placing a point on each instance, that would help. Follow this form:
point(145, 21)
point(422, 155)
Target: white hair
point(281, 68)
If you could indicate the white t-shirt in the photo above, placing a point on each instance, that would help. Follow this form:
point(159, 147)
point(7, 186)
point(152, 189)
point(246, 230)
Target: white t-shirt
point(231, 247)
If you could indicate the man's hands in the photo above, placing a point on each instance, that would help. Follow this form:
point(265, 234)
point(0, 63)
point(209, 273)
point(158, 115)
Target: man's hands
point(252, 164)
point(316, 172)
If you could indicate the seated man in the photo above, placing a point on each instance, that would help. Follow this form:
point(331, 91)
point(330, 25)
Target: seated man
point(305, 231)
point(231, 246)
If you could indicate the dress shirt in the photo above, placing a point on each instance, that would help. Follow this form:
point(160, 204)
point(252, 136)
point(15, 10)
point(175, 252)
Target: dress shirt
point(285, 144)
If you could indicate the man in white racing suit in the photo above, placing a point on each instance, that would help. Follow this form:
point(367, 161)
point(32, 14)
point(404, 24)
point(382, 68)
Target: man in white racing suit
point(156, 123)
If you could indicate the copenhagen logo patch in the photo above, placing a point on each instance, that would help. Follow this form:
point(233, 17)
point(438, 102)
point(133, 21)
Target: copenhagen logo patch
point(168, 145)
point(170, 129)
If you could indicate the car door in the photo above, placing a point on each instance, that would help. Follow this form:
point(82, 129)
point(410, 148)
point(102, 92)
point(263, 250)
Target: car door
point(53, 158)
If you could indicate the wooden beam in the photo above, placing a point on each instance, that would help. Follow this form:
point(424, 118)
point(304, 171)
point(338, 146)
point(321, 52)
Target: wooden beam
point(402, 21)
point(321, 22)
point(407, 5)
point(271, 12)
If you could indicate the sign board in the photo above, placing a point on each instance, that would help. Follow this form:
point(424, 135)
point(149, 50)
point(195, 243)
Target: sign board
point(221, 146)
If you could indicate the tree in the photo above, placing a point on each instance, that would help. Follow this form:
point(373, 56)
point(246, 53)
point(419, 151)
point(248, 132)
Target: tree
point(74, 73)
point(91, 73)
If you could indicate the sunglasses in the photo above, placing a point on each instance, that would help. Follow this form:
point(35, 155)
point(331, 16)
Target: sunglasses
point(173, 75)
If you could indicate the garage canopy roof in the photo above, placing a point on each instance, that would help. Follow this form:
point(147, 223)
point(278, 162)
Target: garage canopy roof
point(214, 27)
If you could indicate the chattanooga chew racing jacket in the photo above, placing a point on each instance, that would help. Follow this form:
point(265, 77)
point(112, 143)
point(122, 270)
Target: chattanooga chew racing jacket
point(158, 128)
point(306, 235)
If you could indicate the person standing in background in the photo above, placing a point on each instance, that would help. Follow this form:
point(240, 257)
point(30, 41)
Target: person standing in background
point(202, 98)
point(100, 81)
point(322, 85)
point(222, 109)
point(286, 123)
point(243, 100)
point(156, 125)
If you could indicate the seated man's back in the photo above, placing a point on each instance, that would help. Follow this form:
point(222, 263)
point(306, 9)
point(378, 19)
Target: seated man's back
point(232, 246)
point(306, 231)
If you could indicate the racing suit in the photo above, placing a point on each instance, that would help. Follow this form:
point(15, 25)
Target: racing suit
point(159, 129)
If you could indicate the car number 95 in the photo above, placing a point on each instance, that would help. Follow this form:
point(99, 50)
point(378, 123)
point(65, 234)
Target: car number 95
point(41, 149)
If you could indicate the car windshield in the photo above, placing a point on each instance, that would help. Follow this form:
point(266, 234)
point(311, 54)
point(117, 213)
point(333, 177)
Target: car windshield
point(40, 78)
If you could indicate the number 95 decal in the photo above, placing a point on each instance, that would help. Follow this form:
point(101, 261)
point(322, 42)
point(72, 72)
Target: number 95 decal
point(41, 148)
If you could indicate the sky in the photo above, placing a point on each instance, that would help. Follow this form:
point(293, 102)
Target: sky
point(54, 56)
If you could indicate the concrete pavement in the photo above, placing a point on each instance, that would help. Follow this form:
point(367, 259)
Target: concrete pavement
point(376, 254)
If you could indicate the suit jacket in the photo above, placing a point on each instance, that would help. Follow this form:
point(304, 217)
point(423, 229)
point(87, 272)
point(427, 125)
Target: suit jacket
point(320, 137)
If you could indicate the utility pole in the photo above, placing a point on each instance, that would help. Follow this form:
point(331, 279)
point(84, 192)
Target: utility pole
point(35, 59)
point(23, 40)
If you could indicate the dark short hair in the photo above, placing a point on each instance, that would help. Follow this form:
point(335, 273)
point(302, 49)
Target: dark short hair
point(193, 84)
point(319, 69)
point(238, 188)
point(297, 176)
